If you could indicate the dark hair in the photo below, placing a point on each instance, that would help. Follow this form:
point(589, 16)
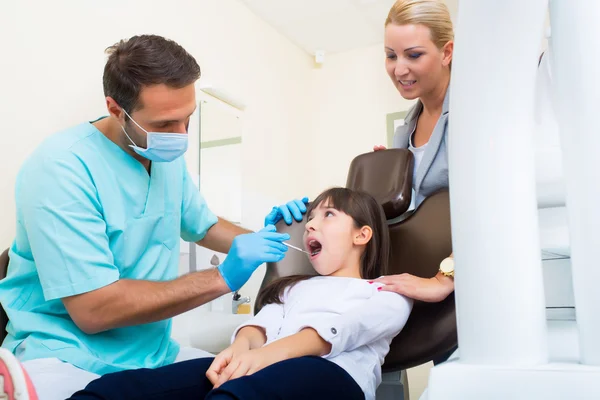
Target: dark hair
point(142, 61)
point(364, 210)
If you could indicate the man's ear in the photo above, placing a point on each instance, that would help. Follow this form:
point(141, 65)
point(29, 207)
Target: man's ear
point(363, 235)
point(114, 109)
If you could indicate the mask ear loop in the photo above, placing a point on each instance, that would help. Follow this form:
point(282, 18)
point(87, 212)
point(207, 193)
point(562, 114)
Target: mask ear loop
point(138, 125)
point(125, 132)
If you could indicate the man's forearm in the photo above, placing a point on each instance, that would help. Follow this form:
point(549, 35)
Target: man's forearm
point(220, 236)
point(307, 342)
point(134, 302)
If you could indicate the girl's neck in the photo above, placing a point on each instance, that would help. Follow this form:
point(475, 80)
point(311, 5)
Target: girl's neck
point(351, 269)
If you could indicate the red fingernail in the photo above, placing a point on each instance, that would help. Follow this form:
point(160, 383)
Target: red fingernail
point(370, 282)
point(379, 288)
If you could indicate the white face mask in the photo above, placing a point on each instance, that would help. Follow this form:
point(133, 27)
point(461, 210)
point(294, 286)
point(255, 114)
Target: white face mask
point(162, 146)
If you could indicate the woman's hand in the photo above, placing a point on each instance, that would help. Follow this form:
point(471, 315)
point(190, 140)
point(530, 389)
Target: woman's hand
point(226, 357)
point(431, 290)
point(378, 147)
point(247, 363)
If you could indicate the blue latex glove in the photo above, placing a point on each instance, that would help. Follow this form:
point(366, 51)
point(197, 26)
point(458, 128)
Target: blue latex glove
point(248, 252)
point(292, 208)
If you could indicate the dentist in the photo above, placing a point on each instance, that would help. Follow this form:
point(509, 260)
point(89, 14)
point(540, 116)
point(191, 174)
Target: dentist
point(101, 206)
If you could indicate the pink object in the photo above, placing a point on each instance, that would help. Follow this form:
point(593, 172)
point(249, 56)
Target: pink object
point(15, 384)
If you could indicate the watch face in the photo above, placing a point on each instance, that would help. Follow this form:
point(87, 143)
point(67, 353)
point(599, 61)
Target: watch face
point(447, 265)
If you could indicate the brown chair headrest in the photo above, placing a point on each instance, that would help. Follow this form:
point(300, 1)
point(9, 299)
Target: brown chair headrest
point(387, 176)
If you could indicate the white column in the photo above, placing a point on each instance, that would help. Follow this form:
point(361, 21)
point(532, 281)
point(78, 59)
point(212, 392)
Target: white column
point(575, 65)
point(499, 288)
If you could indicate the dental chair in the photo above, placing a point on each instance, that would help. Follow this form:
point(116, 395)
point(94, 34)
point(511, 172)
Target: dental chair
point(420, 240)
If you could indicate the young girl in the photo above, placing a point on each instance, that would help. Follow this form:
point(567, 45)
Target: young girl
point(315, 337)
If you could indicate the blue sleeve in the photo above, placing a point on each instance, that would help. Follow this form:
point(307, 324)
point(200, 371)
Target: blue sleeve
point(64, 222)
point(196, 217)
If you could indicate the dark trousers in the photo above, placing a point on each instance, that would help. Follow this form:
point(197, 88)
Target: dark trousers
point(305, 378)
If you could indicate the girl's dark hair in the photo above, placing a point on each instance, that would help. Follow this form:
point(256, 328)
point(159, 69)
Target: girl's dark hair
point(364, 210)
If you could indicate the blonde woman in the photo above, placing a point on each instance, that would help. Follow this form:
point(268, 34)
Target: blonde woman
point(418, 48)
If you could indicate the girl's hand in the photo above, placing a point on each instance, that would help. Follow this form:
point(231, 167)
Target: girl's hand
point(431, 290)
point(378, 147)
point(224, 358)
point(247, 363)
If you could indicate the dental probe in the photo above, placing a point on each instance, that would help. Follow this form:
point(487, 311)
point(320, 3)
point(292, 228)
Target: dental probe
point(296, 248)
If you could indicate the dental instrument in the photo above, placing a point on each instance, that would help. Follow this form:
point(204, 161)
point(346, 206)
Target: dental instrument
point(295, 248)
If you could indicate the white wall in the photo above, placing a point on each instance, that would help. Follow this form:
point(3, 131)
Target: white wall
point(352, 95)
point(53, 57)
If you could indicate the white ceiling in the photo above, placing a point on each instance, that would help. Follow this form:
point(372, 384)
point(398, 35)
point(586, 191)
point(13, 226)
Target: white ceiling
point(328, 25)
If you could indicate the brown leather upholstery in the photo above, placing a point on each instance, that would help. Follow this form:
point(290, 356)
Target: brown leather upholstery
point(385, 175)
point(3, 317)
point(418, 244)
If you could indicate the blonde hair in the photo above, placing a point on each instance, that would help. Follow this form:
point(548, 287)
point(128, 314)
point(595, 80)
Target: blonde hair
point(433, 14)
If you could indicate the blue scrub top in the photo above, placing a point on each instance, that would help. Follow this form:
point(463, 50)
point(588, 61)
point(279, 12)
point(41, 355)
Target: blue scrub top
point(89, 214)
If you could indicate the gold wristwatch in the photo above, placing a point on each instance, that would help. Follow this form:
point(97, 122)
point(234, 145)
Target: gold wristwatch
point(447, 267)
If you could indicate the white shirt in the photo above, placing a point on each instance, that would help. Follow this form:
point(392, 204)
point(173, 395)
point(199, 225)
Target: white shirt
point(352, 315)
point(418, 153)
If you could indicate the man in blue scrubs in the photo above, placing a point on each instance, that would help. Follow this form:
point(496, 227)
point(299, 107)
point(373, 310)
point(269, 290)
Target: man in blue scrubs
point(92, 282)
